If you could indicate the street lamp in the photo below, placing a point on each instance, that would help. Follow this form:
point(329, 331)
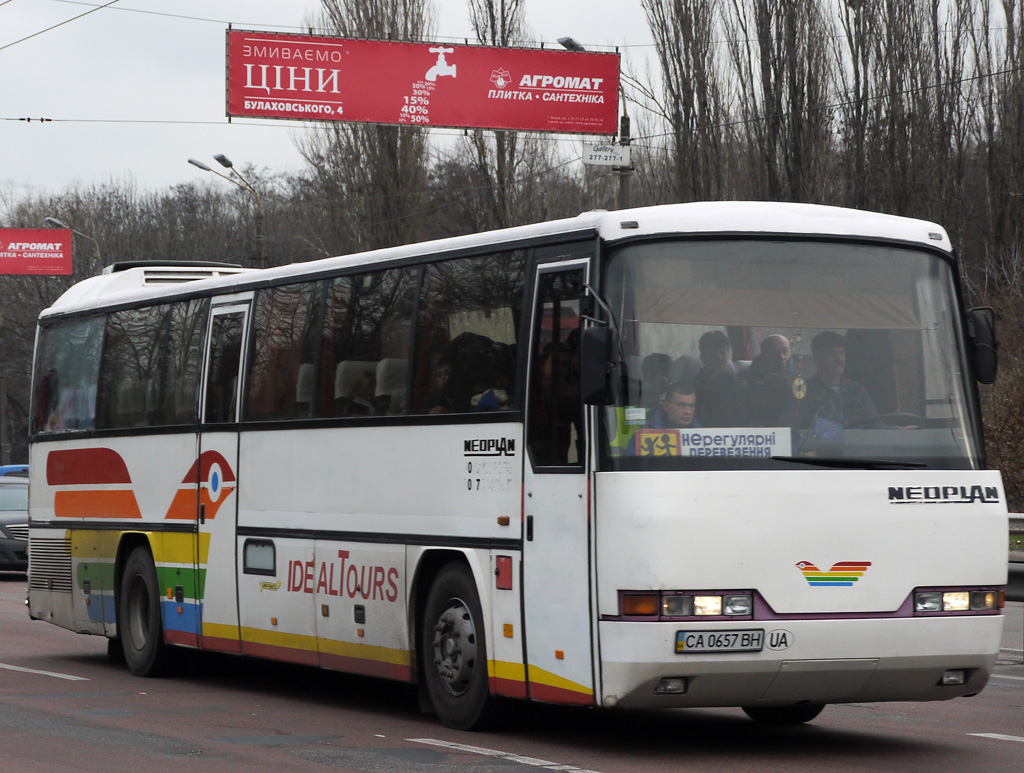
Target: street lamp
point(245, 186)
point(624, 172)
point(55, 223)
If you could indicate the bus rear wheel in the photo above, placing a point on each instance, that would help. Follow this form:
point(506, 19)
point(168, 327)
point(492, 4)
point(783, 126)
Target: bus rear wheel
point(784, 715)
point(454, 650)
point(139, 623)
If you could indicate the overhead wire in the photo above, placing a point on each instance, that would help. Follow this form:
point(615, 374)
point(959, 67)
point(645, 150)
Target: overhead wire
point(55, 26)
point(640, 140)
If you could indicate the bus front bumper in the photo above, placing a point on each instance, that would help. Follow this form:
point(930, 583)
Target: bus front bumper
point(813, 661)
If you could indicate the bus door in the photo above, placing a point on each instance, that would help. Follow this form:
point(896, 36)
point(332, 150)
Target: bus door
point(217, 470)
point(556, 567)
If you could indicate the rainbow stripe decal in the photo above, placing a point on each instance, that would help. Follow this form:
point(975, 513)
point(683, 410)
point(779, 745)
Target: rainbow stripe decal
point(94, 483)
point(845, 573)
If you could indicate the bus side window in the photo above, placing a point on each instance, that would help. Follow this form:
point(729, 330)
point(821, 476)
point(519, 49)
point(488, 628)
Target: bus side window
point(366, 343)
point(282, 378)
point(467, 334)
point(555, 426)
point(67, 375)
point(259, 556)
point(222, 369)
point(149, 371)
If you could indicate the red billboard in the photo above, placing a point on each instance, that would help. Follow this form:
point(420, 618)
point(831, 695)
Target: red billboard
point(424, 84)
point(35, 251)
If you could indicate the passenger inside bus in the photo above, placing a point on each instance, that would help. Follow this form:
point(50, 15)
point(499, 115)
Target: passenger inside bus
point(361, 399)
point(720, 392)
point(480, 368)
point(832, 401)
point(345, 387)
point(557, 411)
point(655, 375)
point(678, 410)
point(768, 383)
point(439, 399)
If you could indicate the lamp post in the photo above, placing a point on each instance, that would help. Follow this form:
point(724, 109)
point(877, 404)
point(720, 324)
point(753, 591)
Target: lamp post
point(624, 172)
point(570, 44)
point(55, 223)
point(245, 186)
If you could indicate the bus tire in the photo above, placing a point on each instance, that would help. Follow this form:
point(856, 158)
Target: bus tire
point(784, 715)
point(139, 620)
point(454, 650)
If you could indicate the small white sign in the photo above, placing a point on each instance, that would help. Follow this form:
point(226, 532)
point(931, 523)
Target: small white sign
point(605, 154)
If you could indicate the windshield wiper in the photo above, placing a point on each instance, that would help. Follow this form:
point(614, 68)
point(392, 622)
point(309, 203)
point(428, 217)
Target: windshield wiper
point(850, 462)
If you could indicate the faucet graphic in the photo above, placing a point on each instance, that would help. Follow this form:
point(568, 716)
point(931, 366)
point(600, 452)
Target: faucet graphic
point(441, 67)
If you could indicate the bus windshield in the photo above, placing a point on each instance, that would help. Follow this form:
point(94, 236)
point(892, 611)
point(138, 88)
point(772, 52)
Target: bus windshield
point(750, 353)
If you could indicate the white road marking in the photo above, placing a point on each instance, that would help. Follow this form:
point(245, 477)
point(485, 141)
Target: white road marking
point(44, 673)
point(999, 737)
point(1007, 676)
point(537, 763)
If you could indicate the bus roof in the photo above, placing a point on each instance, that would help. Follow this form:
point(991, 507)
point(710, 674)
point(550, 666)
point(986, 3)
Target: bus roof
point(725, 217)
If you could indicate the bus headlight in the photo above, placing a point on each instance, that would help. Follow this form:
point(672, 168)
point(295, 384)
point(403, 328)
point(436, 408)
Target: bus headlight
point(707, 605)
point(738, 605)
point(930, 601)
point(677, 606)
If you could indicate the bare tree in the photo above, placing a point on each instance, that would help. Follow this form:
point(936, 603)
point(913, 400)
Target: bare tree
point(499, 157)
point(781, 61)
point(999, 62)
point(372, 179)
point(693, 104)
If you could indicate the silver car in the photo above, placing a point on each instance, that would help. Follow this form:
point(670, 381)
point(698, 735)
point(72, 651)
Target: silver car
point(13, 524)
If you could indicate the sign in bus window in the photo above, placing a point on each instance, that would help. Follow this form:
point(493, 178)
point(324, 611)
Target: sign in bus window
point(750, 442)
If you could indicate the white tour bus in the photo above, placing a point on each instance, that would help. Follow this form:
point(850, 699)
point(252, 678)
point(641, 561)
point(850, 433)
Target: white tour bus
point(722, 454)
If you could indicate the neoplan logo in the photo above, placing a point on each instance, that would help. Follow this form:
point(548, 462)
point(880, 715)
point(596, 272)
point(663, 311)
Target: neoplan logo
point(489, 447)
point(943, 495)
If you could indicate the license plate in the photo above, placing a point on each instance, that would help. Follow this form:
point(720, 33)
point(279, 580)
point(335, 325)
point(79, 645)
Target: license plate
point(720, 641)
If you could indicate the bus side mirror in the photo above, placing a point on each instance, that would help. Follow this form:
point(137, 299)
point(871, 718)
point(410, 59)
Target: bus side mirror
point(595, 353)
point(981, 331)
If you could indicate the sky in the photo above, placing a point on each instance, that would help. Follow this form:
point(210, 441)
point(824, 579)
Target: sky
point(135, 89)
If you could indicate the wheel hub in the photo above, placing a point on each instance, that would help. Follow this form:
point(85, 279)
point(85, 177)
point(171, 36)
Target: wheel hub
point(455, 647)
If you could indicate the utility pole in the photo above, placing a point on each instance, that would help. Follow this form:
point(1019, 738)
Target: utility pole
point(625, 172)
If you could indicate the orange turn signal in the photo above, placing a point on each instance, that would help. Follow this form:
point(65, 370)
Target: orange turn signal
point(640, 605)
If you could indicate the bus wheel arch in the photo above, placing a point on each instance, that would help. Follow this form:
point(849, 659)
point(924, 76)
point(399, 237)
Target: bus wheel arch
point(452, 643)
point(128, 542)
point(427, 566)
point(140, 621)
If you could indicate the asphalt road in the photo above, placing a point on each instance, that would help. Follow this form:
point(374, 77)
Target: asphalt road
point(64, 706)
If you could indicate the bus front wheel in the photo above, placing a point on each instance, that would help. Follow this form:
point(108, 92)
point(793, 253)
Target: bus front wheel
point(139, 625)
point(784, 715)
point(454, 651)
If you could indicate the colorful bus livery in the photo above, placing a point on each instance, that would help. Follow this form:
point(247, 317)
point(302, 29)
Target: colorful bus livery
point(843, 574)
point(454, 464)
point(95, 483)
